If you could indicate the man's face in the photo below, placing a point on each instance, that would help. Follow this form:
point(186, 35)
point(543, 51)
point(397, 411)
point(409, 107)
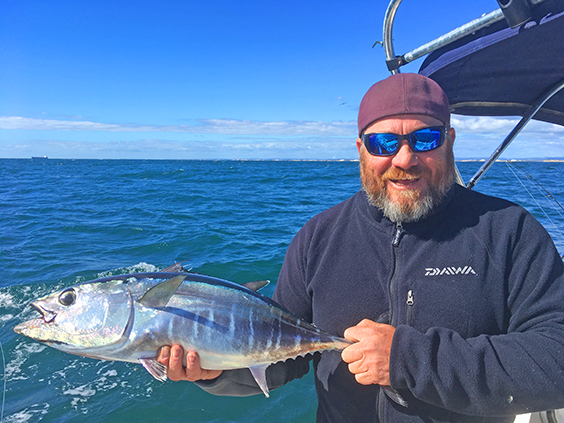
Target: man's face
point(407, 185)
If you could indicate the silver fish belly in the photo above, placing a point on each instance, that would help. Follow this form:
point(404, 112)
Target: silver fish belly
point(129, 317)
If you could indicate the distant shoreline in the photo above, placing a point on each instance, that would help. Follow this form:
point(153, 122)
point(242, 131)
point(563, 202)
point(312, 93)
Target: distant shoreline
point(514, 160)
point(43, 158)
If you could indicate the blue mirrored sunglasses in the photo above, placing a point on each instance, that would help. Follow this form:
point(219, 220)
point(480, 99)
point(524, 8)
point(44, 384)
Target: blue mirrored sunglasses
point(383, 144)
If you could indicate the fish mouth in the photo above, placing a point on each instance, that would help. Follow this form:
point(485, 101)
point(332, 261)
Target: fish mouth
point(48, 315)
point(30, 329)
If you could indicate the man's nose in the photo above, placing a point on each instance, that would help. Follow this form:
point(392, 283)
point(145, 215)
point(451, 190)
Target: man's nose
point(405, 158)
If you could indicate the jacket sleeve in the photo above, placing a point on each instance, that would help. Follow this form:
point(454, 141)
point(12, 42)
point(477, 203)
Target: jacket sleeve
point(521, 370)
point(241, 382)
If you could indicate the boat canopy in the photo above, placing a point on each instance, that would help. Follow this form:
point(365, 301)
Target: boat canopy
point(509, 62)
point(504, 71)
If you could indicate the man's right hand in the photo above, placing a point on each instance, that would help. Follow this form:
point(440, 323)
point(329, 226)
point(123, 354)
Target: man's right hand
point(173, 357)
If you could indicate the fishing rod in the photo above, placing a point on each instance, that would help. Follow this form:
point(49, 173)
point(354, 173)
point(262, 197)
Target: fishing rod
point(4, 394)
point(548, 194)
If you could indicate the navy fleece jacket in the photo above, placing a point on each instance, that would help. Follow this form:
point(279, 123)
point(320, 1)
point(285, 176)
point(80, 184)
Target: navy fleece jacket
point(475, 291)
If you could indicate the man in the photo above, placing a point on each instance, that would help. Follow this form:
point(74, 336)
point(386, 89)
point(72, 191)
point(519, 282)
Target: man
point(455, 300)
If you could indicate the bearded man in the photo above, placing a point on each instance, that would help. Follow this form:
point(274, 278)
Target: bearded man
point(454, 299)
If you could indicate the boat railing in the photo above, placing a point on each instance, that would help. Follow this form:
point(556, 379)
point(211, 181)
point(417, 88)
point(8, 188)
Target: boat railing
point(516, 13)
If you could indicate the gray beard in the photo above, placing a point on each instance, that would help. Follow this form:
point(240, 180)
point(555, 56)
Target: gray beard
point(417, 207)
point(420, 209)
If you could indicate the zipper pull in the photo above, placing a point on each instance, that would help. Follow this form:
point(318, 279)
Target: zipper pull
point(409, 301)
point(398, 234)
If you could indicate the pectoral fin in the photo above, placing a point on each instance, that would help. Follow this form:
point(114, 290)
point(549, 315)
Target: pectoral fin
point(159, 295)
point(157, 370)
point(259, 373)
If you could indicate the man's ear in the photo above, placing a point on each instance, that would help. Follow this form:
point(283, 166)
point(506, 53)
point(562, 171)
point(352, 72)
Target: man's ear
point(358, 145)
point(452, 134)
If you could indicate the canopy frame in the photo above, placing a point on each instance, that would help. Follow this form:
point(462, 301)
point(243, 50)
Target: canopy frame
point(394, 62)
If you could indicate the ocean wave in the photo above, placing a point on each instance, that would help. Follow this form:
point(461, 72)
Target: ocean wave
point(32, 413)
point(22, 353)
point(141, 267)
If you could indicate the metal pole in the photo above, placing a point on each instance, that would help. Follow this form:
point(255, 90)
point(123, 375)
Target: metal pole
point(456, 34)
point(395, 62)
point(526, 118)
point(387, 31)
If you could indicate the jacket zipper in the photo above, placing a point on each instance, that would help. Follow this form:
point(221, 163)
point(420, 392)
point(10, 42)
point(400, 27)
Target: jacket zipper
point(409, 302)
point(398, 234)
point(395, 244)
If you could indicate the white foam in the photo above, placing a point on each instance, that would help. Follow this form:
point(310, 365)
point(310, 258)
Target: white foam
point(140, 267)
point(7, 300)
point(79, 280)
point(21, 354)
point(19, 417)
point(27, 414)
point(80, 394)
point(83, 391)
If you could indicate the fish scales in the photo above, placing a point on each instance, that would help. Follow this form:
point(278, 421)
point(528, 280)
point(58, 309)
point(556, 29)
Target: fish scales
point(129, 317)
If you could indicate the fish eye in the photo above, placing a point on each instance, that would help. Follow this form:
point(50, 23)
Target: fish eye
point(67, 297)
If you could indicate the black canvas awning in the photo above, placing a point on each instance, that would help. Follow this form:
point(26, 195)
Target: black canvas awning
point(500, 71)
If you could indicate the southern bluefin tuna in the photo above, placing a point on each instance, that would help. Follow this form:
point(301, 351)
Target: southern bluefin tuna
point(129, 317)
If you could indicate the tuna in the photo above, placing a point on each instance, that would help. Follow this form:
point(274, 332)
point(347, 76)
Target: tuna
point(129, 317)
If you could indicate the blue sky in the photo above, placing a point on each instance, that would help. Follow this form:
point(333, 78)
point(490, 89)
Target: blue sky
point(205, 79)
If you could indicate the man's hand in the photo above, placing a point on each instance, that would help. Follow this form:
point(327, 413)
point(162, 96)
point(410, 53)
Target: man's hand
point(173, 357)
point(369, 356)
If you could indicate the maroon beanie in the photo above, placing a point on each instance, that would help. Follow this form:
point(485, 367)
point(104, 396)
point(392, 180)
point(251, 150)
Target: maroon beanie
point(400, 94)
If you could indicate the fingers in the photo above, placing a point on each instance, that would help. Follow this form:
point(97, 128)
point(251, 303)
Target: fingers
point(350, 354)
point(193, 370)
point(175, 369)
point(369, 373)
point(369, 357)
point(355, 333)
point(163, 355)
point(173, 358)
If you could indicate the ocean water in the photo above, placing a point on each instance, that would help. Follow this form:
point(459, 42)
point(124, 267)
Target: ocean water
point(67, 221)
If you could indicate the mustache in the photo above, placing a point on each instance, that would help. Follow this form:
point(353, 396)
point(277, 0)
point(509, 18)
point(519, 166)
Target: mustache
point(395, 173)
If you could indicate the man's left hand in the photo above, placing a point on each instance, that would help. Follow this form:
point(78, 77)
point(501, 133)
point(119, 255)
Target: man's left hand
point(369, 357)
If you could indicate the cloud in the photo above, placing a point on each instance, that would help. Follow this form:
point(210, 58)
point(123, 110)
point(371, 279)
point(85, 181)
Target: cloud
point(201, 126)
point(463, 124)
point(477, 137)
point(490, 125)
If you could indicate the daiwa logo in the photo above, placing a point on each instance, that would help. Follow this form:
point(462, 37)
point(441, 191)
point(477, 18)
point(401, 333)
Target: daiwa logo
point(436, 271)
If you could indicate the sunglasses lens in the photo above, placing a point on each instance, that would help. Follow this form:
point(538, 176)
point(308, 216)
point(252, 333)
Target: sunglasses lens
point(382, 144)
point(427, 139)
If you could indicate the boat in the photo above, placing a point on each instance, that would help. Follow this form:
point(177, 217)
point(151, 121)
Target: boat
point(39, 157)
point(484, 65)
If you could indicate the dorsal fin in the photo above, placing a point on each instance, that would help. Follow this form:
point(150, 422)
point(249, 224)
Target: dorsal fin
point(175, 268)
point(158, 295)
point(256, 285)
